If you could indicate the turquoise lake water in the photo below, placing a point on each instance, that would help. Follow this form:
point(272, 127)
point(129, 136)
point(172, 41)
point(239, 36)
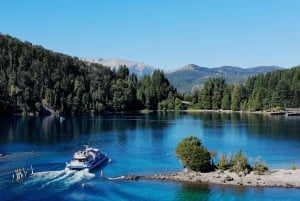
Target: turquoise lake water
point(140, 144)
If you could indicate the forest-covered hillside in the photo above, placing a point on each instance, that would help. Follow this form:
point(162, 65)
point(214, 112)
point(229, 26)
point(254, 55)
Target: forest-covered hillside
point(280, 88)
point(34, 79)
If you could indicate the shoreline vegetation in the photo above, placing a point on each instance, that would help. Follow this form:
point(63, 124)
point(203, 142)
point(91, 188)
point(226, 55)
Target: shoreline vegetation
point(287, 112)
point(199, 167)
point(38, 81)
point(271, 178)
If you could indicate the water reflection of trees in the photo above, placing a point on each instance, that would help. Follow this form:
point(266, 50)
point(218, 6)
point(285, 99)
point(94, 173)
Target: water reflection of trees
point(262, 125)
point(44, 130)
point(215, 119)
point(208, 191)
point(48, 130)
point(274, 126)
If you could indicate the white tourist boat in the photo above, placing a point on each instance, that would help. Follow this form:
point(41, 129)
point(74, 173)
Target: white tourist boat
point(87, 159)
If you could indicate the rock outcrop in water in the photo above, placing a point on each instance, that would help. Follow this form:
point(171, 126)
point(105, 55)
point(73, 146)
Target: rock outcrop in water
point(273, 178)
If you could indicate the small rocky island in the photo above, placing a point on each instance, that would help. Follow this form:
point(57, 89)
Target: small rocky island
point(274, 178)
point(235, 170)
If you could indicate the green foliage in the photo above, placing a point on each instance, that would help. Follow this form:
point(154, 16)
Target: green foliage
point(239, 162)
point(193, 155)
point(223, 163)
point(261, 92)
point(236, 98)
point(178, 104)
point(260, 166)
point(155, 92)
point(294, 167)
point(188, 97)
point(225, 102)
point(210, 96)
point(30, 74)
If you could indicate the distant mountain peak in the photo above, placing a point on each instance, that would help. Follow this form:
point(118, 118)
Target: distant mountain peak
point(139, 68)
point(191, 67)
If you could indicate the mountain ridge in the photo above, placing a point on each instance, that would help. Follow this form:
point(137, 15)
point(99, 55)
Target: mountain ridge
point(187, 77)
point(192, 75)
point(138, 68)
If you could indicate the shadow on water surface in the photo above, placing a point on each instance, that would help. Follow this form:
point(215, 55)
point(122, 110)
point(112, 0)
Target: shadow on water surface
point(190, 192)
point(49, 130)
point(261, 125)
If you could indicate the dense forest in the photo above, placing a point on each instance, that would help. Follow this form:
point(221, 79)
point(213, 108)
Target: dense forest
point(278, 89)
point(36, 80)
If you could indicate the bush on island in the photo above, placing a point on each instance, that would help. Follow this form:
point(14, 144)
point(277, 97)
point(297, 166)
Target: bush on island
point(223, 163)
point(193, 155)
point(239, 162)
point(260, 168)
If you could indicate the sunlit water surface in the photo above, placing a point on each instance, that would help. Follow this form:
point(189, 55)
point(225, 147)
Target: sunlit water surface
point(139, 144)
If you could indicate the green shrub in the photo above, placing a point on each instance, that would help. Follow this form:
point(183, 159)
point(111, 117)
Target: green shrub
point(193, 155)
point(223, 163)
point(260, 166)
point(239, 162)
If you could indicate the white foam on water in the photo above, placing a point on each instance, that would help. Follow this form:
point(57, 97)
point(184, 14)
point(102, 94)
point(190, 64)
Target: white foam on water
point(79, 176)
point(61, 178)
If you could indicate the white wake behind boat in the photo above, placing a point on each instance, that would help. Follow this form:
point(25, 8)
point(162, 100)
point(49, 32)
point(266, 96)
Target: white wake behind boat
point(87, 159)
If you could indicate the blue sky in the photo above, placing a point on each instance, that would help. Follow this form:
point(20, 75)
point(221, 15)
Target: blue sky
point(166, 34)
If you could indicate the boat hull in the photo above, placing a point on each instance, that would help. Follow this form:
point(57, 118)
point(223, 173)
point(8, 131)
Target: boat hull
point(87, 159)
point(89, 167)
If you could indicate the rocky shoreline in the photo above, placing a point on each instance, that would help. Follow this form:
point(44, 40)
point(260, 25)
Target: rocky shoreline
point(273, 178)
